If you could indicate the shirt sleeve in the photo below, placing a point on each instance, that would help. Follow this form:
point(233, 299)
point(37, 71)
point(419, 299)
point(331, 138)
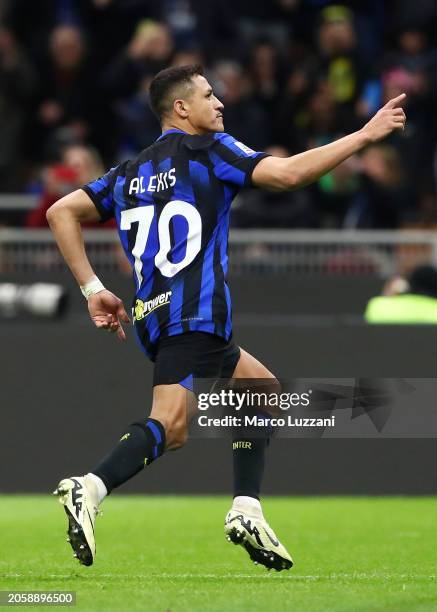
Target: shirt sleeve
point(233, 161)
point(101, 192)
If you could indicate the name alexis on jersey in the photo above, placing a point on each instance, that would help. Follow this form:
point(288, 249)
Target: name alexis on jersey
point(157, 182)
point(142, 309)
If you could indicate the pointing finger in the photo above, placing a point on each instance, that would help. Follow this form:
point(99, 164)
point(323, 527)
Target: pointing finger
point(394, 102)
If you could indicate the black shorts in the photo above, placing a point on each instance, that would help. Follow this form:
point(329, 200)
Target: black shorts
point(191, 356)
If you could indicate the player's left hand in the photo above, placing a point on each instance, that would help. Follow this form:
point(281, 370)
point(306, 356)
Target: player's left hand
point(389, 118)
point(107, 312)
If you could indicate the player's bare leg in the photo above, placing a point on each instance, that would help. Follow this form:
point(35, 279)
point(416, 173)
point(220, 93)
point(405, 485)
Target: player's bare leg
point(172, 406)
point(142, 443)
point(245, 523)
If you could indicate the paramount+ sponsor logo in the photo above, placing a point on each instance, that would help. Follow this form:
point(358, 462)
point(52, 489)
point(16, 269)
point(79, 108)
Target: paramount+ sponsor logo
point(142, 309)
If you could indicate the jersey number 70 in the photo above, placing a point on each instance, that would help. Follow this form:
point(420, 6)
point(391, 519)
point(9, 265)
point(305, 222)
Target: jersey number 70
point(143, 215)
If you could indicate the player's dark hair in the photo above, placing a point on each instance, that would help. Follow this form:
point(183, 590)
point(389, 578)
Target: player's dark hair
point(170, 84)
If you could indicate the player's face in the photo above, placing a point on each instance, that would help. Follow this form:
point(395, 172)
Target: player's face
point(205, 110)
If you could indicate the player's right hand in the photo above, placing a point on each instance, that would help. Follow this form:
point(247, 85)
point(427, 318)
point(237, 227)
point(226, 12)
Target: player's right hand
point(107, 312)
point(390, 117)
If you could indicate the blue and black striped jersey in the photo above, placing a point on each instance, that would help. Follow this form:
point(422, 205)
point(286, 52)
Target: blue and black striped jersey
point(172, 206)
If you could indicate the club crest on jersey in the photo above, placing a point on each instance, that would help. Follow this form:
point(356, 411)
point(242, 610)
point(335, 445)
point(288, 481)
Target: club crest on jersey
point(157, 182)
point(142, 309)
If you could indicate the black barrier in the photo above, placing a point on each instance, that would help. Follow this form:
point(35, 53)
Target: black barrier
point(273, 294)
point(67, 391)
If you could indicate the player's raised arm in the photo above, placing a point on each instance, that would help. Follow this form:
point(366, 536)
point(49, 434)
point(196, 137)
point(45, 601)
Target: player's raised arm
point(304, 168)
point(65, 218)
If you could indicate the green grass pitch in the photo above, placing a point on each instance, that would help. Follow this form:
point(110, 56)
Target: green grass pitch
point(169, 554)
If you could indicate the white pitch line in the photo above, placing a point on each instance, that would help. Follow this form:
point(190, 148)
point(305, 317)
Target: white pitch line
point(227, 576)
point(155, 576)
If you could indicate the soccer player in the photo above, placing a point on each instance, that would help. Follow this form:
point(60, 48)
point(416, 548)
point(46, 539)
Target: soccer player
point(172, 206)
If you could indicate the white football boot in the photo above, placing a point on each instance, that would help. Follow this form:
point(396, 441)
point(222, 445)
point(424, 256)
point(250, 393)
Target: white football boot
point(79, 497)
point(246, 525)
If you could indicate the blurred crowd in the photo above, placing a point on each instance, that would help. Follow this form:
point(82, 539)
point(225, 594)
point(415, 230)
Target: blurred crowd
point(292, 74)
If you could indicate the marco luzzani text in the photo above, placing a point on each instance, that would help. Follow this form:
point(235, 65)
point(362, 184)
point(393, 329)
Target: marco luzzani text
point(241, 400)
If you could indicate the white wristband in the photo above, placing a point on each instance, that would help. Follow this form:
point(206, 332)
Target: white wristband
point(91, 287)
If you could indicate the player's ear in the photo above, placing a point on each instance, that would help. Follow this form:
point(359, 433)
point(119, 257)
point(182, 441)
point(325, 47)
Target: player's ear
point(180, 108)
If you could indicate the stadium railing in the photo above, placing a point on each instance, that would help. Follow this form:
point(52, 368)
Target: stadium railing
point(306, 252)
point(17, 201)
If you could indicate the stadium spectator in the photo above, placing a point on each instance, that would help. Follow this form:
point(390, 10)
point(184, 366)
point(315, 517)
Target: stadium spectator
point(406, 301)
point(415, 145)
point(78, 165)
point(126, 80)
point(17, 85)
point(34, 22)
point(265, 71)
point(383, 200)
point(149, 50)
point(193, 24)
point(66, 100)
point(413, 52)
point(243, 111)
point(335, 192)
point(275, 20)
point(339, 61)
